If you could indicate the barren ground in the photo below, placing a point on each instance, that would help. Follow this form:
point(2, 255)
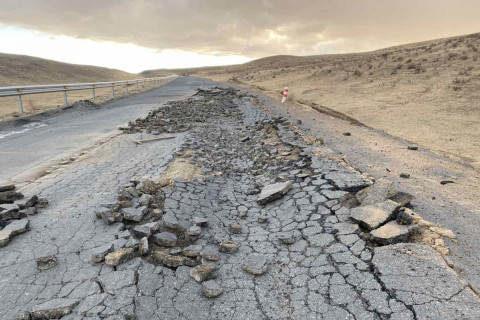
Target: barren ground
point(426, 92)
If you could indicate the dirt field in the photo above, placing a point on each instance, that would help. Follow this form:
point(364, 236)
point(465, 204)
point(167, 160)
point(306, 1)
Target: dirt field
point(427, 93)
point(25, 70)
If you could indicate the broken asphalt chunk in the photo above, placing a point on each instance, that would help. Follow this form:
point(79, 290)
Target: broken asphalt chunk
point(273, 191)
point(47, 262)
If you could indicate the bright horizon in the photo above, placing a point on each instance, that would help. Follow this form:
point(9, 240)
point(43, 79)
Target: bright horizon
point(140, 35)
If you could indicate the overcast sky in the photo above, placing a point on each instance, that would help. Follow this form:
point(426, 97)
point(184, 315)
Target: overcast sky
point(134, 35)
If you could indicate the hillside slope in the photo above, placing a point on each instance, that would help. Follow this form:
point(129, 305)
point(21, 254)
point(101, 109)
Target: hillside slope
point(428, 92)
point(24, 70)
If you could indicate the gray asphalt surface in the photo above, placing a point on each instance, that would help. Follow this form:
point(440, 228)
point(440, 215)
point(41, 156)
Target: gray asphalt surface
point(24, 155)
point(328, 273)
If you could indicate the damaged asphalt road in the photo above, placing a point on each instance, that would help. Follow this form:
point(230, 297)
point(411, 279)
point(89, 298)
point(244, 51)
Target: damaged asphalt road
point(249, 219)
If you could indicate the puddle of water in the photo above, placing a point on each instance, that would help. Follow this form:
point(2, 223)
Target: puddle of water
point(22, 129)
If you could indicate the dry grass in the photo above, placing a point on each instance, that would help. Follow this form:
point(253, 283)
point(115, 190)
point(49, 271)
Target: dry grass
point(426, 92)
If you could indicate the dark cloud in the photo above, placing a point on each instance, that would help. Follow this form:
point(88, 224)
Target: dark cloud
point(253, 28)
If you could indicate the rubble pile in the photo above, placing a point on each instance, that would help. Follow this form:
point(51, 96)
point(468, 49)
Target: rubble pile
point(14, 212)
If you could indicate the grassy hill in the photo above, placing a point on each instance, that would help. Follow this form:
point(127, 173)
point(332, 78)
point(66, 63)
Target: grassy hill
point(427, 92)
point(24, 70)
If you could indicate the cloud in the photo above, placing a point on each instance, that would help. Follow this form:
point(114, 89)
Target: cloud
point(251, 28)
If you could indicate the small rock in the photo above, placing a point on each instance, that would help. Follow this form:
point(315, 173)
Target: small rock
point(404, 218)
point(404, 175)
point(235, 228)
point(412, 148)
point(424, 223)
point(27, 203)
point(165, 239)
point(210, 254)
point(255, 264)
point(194, 231)
point(10, 196)
point(245, 139)
point(109, 216)
point(134, 214)
point(8, 187)
point(443, 182)
point(119, 256)
point(173, 261)
point(41, 203)
point(242, 214)
point(145, 230)
point(145, 200)
point(402, 198)
point(211, 289)
point(53, 309)
point(201, 222)
point(18, 226)
point(262, 219)
point(369, 217)
point(47, 262)
point(203, 272)
point(443, 232)
point(348, 134)
point(391, 233)
point(273, 191)
point(287, 238)
point(228, 247)
point(192, 251)
point(169, 221)
point(299, 121)
point(100, 252)
point(144, 246)
point(5, 236)
point(148, 186)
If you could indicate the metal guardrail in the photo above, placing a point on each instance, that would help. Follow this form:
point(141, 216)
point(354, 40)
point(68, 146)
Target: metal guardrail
point(49, 88)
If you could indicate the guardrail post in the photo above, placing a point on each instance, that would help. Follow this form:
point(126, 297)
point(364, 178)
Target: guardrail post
point(143, 84)
point(126, 86)
point(20, 104)
point(93, 93)
point(113, 90)
point(65, 101)
point(137, 85)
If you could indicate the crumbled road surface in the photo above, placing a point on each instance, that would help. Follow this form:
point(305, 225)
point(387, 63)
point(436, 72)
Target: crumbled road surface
point(297, 256)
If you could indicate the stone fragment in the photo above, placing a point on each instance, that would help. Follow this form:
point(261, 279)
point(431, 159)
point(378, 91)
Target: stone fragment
point(134, 214)
point(165, 239)
point(173, 261)
point(424, 223)
point(412, 148)
point(242, 214)
point(144, 246)
point(24, 315)
point(148, 186)
point(255, 264)
point(262, 219)
point(10, 196)
point(443, 232)
point(5, 236)
point(402, 198)
point(28, 212)
point(211, 289)
point(235, 228)
point(47, 262)
point(287, 238)
point(391, 233)
point(41, 203)
point(109, 216)
point(119, 256)
point(273, 191)
point(145, 200)
point(201, 222)
point(369, 217)
point(99, 253)
point(18, 226)
point(228, 247)
point(7, 187)
point(377, 192)
point(192, 251)
point(169, 221)
point(405, 175)
point(210, 254)
point(348, 181)
point(203, 272)
point(404, 218)
point(27, 203)
point(53, 309)
point(194, 231)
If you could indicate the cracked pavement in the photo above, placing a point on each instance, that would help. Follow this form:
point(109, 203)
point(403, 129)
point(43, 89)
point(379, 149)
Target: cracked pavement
point(328, 272)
